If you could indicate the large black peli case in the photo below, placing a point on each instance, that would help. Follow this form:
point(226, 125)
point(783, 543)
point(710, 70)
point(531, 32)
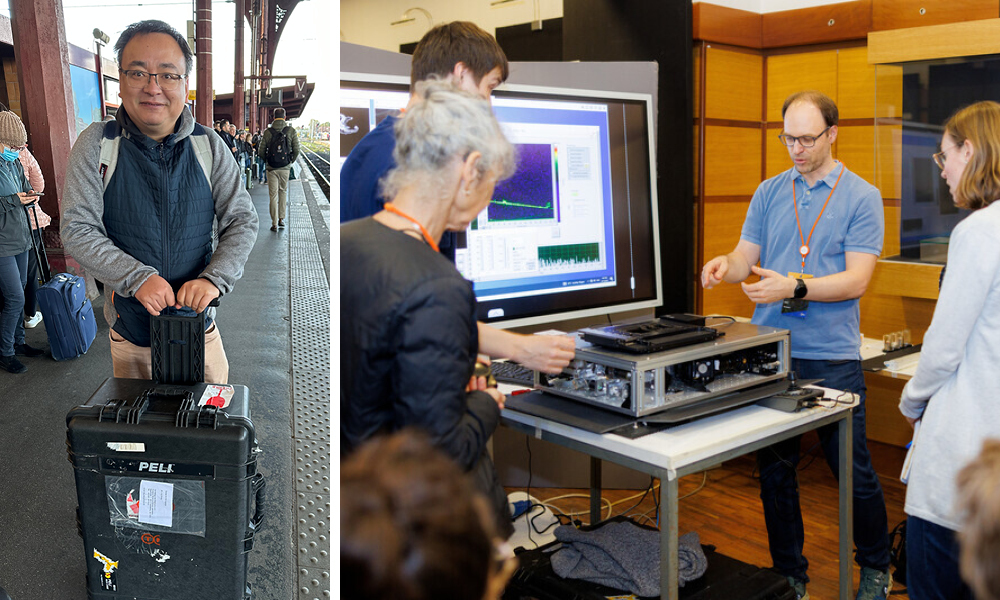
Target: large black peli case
point(168, 490)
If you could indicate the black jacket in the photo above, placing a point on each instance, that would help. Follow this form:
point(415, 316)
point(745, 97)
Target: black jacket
point(408, 345)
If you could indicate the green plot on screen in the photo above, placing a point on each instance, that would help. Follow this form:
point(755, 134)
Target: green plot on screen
point(569, 254)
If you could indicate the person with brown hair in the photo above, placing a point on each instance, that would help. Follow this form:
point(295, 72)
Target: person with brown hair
point(814, 262)
point(412, 528)
point(979, 538)
point(955, 389)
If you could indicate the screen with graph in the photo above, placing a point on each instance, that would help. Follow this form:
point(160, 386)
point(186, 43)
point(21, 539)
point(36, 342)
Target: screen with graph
point(573, 233)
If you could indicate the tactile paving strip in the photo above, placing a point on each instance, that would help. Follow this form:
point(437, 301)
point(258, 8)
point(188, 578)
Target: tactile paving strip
point(312, 420)
point(310, 310)
point(313, 522)
point(312, 466)
point(314, 584)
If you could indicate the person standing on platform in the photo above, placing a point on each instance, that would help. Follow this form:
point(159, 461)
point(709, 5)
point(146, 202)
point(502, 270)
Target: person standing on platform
point(953, 394)
point(813, 235)
point(474, 61)
point(115, 224)
point(15, 245)
point(33, 316)
point(279, 147)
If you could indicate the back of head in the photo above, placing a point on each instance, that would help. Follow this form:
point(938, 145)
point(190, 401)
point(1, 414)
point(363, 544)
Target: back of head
point(411, 527)
point(979, 123)
point(979, 499)
point(12, 133)
point(279, 113)
point(447, 125)
point(445, 45)
point(827, 107)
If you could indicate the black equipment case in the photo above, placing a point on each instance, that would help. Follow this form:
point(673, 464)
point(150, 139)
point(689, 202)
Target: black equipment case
point(167, 485)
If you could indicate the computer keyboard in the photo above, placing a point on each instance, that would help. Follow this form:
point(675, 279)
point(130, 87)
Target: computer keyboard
point(511, 372)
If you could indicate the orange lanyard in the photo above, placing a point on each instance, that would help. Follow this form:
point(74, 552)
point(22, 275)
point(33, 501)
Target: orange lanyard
point(389, 206)
point(804, 249)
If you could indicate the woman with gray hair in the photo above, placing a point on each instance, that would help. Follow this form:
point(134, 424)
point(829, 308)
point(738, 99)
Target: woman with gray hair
point(408, 319)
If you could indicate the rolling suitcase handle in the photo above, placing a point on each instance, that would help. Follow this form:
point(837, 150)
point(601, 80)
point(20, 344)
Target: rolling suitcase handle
point(177, 346)
point(41, 256)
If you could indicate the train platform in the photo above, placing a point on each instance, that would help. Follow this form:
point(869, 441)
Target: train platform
point(276, 330)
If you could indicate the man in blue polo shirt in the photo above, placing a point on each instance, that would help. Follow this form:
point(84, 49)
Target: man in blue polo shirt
point(816, 231)
point(474, 61)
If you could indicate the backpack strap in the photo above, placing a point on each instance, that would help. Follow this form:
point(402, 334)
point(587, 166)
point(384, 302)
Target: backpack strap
point(109, 150)
point(202, 150)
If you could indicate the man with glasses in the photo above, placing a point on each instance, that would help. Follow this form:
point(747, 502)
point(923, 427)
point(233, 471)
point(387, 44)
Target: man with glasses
point(142, 193)
point(813, 234)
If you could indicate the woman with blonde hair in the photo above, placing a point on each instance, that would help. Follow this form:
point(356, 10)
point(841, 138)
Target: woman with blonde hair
point(955, 393)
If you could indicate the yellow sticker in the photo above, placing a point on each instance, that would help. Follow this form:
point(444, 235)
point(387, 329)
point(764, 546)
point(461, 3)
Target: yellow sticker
point(795, 275)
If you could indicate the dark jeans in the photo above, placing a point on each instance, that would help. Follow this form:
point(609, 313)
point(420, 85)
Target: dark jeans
point(779, 491)
point(932, 571)
point(13, 273)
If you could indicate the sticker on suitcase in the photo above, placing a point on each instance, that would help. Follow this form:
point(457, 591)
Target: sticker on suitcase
point(109, 581)
point(216, 395)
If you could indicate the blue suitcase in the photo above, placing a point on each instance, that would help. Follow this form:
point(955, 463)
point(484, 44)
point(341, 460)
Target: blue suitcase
point(67, 315)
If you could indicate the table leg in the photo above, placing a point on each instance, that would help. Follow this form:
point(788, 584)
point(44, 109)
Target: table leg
point(668, 539)
point(846, 492)
point(595, 490)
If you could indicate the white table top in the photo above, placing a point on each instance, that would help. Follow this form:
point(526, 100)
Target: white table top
point(682, 445)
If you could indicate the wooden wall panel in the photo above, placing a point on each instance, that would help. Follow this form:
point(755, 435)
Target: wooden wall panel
point(882, 314)
point(888, 91)
point(899, 14)
point(817, 25)
point(777, 158)
point(884, 421)
point(855, 147)
point(696, 80)
point(732, 161)
point(968, 38)
point(855, 84)
point(723, 223)
point(890, 245)
point(733, 85)
point(713, 23)
point(912, 280)
point(790, 73)
point(889, 160)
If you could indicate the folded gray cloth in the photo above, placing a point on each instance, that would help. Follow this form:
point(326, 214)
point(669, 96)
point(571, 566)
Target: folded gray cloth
point(623, 556)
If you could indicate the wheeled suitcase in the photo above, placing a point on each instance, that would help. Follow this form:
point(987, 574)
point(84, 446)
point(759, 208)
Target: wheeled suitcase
point(169, 497)
point(67, 313)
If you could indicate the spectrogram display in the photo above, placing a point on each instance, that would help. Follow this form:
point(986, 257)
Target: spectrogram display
point(569, 255)
point(528, 195)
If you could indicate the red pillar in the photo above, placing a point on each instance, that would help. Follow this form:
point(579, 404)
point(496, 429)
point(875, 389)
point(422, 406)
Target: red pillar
point(238, 116)
point(203, 104)
point(43, 76)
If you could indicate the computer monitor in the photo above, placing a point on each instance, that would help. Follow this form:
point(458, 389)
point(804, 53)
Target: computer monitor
point(574, 232)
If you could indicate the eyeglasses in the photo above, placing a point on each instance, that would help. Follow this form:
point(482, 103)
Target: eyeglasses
point(807, 141)
point(939, 157)
point(138, 79)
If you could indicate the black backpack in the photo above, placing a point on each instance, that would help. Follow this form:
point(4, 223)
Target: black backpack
point(279, 149)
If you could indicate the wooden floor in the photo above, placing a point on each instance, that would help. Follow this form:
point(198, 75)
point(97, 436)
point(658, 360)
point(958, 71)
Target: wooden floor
point(726, 512)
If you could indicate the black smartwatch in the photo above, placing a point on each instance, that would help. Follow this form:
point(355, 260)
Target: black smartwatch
point(800, 289)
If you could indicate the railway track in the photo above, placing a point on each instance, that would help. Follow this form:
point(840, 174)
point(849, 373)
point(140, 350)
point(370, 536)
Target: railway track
point(317, 157)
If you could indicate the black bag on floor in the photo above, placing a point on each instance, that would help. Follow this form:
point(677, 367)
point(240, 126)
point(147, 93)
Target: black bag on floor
point(166, 477)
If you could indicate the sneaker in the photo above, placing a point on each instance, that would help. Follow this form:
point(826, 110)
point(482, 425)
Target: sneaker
point(26, 350)
point(281, 222)
point(799, 586)
point(30, 324)
point(12, 365)
point(875, 585)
